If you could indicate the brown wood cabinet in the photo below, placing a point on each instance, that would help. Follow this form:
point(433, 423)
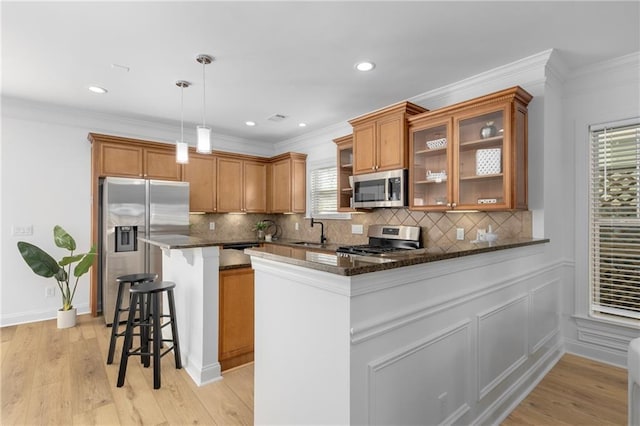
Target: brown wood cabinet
point(471, 155)
point(201, 175)
point(344, 146)
point(241, 186)
point(288, 183)
point(380, 138)
point(219, 182)
point(134, 158)
point(235, 334)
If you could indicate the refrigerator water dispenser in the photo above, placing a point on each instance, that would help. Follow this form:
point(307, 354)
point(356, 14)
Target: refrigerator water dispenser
point(126, 238)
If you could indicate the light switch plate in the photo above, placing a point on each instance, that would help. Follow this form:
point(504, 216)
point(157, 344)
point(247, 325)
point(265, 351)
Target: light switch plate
point(357, 229)
point(212, 226)
point(21, 230)
point(460, 234)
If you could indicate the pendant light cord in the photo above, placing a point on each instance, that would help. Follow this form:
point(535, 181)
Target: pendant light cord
point(204, 94)
point(181, 113)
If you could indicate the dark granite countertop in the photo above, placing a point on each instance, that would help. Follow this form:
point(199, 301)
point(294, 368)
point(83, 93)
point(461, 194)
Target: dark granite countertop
point(234, 259)
point(323, 260)
point(322, 256)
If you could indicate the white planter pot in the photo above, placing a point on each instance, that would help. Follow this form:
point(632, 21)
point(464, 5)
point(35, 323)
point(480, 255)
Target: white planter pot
point(67, 319)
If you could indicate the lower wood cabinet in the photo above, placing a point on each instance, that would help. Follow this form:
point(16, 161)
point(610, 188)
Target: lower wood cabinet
point(235, 335)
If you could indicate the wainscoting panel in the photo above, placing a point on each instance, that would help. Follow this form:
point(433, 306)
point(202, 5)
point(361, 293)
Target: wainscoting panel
point(502, 342)
point(433, 374)
point(545, 321)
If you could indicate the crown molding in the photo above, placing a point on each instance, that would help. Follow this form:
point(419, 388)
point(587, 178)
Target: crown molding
point(619, 63)
point(529, 71)
point(166, 131)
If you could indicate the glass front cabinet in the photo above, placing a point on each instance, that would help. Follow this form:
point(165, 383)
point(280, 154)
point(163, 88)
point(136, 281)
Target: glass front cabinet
point(472, 155)
point(344, 147)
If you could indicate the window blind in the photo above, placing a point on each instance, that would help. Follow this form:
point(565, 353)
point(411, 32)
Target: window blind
point(615, 221)
point(324, 191)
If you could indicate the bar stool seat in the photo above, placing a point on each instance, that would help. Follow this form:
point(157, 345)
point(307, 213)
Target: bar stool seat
point(123, 281)
point(150, 328)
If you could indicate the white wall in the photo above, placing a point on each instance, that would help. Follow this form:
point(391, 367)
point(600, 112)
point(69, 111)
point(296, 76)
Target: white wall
point(602, 93)
point(45, 161)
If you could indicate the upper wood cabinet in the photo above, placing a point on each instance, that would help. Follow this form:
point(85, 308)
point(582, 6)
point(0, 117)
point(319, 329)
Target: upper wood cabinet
point(471, 155)
point(380, 138)
point(123, 157)
point(201, 175)
point(242, 185)
point(344, 155)
point(288, 183)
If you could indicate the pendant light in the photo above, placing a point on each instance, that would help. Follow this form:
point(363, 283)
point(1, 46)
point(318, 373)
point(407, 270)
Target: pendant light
point(182, 149)
point(204, 132)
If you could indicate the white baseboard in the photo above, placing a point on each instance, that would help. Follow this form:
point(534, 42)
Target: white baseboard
point(36, 315)
point(597, 353)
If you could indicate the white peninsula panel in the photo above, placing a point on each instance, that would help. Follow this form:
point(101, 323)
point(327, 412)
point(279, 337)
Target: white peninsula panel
point(444, 342)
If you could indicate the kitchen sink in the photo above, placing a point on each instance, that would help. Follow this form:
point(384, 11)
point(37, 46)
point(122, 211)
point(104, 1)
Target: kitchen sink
point(308, 244)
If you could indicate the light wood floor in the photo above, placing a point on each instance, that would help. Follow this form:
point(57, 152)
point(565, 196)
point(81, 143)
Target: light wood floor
point(60, 377)
point(577, 391)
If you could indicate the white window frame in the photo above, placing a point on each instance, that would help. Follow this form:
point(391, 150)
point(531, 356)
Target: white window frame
point(612, 250)
point(312, 166)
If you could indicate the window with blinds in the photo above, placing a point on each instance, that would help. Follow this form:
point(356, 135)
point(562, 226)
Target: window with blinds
point(615, 220)
point(324, 191)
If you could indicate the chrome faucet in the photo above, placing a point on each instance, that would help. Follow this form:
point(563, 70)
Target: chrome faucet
point(322, 237)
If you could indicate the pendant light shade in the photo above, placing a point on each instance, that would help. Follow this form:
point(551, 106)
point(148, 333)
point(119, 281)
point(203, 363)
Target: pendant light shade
point(204, 132)
point(182, 148)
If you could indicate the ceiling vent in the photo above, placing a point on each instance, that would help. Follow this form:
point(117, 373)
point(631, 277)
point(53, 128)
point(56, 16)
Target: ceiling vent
point(277, 118)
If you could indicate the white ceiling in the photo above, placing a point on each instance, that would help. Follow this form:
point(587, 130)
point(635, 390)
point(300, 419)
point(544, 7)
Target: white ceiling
point(290, 58)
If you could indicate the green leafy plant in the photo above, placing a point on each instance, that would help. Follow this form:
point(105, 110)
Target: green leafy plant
point(261, 225)
point(46, 266)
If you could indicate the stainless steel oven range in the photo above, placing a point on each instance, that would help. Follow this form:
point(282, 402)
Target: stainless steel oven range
point(386, 240)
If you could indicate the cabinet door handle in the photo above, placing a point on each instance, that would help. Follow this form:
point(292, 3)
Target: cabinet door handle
point(448, 204)
point(454, 205)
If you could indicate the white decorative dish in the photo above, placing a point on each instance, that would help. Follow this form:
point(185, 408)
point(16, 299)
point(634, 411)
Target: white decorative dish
point(488, 161)
point(437, 143)
point(436, 177)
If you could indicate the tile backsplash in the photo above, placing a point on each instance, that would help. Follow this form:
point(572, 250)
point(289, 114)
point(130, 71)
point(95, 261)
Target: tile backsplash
point(437, 228)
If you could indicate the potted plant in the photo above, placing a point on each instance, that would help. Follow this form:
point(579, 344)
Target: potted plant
point(46, 266)
point(260, 227)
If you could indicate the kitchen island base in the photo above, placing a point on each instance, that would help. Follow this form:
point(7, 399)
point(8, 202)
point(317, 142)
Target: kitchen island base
point(195, 272)
point(458, 341)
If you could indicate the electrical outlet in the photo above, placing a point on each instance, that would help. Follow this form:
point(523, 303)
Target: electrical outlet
point(357, 229)
point(297, 226)
point(212, 226)
point(460, 234)
point(49, 292)
point(22, 230)
point(480, 235)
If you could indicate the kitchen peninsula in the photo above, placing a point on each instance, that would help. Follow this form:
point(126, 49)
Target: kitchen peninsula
point(409, 341)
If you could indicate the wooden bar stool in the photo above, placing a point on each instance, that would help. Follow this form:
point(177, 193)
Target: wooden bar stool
point(150, 328)
point(123, 281)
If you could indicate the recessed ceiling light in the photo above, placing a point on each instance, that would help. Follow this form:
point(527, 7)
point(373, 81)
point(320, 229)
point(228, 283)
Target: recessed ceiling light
point(302, 124)
point(250, 123)
point(98, 89)
point(365, 66)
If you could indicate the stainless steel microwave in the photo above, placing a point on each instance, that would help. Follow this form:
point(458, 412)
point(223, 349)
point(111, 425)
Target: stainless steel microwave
point(381, 189)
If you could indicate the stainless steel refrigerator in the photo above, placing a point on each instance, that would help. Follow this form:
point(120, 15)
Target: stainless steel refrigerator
point(132, 208)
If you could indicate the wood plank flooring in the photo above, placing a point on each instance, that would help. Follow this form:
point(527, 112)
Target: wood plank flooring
point(60, 377)
point(577, 391)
